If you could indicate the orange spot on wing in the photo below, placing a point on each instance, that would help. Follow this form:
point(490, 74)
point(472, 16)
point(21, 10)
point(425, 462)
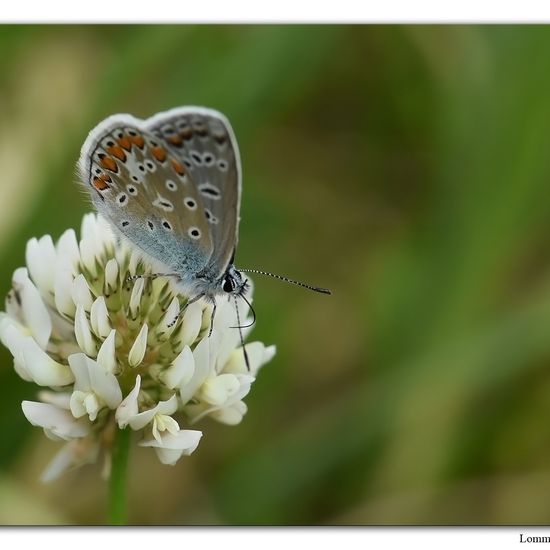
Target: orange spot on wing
point(100, 182)
point(159, 153)
point(138, 140)
point(125, 143)
point(175, 140)
point(178, 167)
point(109, 164)
point(117, 152)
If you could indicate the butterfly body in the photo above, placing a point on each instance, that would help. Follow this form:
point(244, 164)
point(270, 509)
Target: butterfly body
point(171, 185)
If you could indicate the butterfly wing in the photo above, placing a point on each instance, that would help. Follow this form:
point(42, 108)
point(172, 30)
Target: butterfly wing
point(203, 141)
point(147, 194)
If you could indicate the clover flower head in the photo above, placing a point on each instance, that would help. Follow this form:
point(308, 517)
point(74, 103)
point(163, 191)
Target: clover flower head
point(110, 349)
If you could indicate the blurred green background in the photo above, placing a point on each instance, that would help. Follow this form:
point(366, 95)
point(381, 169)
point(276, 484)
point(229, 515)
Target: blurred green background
point(405, 167)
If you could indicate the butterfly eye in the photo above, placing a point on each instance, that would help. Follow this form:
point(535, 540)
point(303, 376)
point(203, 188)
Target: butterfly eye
point(227, 284)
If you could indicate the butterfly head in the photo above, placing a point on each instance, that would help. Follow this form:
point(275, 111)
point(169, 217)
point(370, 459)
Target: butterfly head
point(232, 282)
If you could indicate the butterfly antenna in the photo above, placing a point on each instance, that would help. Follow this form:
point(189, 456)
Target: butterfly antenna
point(287, 280)
point(241, 335)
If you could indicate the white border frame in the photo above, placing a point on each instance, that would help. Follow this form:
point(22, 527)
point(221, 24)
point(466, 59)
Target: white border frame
point(282, 11)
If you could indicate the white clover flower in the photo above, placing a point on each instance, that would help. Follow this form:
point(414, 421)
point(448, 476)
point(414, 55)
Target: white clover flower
point(115, 352)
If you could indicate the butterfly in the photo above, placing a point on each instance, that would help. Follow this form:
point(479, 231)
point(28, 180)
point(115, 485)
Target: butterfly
point(171, 185)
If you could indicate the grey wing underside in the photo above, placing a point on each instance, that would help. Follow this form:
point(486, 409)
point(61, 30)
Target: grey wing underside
point(138, 185)
point(203, 140)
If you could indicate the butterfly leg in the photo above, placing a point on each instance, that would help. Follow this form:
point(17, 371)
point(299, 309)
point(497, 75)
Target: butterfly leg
point(212, 320)
point(182, 310)
point(152, 276)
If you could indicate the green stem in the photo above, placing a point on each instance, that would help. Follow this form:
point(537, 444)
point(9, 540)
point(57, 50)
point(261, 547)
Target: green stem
point(118, 479)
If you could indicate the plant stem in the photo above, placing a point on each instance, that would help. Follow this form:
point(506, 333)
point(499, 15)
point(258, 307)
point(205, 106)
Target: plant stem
point(119, 476)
